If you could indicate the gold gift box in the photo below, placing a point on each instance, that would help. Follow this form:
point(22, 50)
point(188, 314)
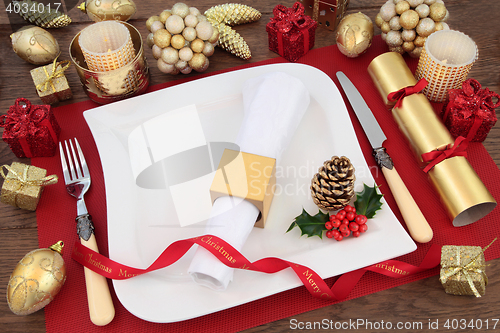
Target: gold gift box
point(51, 89)
point(328, 13)
point(462, 192)
point(19, 194)
point(462, 266)
point(247, 176)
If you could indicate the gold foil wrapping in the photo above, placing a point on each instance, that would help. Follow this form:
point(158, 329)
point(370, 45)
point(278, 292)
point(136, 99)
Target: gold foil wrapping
point(463, 270)
point(19, 194)
point(327, 13)
point(461, 190)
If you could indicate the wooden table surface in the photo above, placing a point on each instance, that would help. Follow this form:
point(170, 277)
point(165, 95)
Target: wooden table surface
point(423, 301)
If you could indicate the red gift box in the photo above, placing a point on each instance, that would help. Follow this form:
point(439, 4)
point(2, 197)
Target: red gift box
point(30, 130)
point(470, 111)
point(291, 33)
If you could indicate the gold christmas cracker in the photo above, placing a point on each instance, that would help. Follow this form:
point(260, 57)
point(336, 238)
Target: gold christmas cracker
point(462, 192)
point(23, 185)
point(463, 270)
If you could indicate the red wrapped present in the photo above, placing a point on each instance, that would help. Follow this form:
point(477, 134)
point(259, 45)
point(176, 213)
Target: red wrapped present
point(30, 130)
point(291, 33)
point(470, 111)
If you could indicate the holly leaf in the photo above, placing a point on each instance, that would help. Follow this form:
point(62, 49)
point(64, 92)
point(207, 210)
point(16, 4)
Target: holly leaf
point(310, 225)
point(368, 201)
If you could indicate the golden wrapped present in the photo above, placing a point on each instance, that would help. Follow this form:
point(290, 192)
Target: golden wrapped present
point(23, 185)
point(50, 82)
point(463, 270)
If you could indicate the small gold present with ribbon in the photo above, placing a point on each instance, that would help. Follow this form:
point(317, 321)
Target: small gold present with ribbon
point(463, 270)
point(23, 185)
point(51, 83)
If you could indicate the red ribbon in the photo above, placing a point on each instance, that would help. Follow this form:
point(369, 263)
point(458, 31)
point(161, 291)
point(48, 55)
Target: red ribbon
point(434, 157)
point(233, 258)
point(23, 121)
point(397, 96)
point(286, 18)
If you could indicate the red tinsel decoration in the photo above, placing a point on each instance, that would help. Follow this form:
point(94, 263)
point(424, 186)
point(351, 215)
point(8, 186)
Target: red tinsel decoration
point(470, 111)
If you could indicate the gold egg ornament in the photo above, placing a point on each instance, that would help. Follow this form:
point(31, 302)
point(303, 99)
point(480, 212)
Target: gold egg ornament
point(107, 10)
point(354, 34)
point(35, 45)
point(36, 280)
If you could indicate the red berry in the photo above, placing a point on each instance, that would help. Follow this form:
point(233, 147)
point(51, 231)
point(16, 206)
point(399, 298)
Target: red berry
point(356, 233)
point(329, 234)
point(335, 233)
point(345, 221)
point(363, 228)
point(341, 214)
point(328, 225)
point(348, 208)
point(331, 218)
point(350, 216)
point(344, 228)
point(346, 233)
point(353, 226)
point(361, 219)
point(340, 237)
point(335, 223)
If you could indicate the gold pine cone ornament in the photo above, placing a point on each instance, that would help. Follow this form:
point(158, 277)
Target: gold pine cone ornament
point(45, 16)
point(223, 17)
point(36, 280)
point(332, 188)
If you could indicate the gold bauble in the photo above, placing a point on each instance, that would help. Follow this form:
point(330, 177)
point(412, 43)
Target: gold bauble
point(409, 19)
point(197, 61)
point(36, 280)
point(107, 10)
point(402, 7)
point(437, 11)
point(152, 20)
point(354, 34)
point(35, 45)
point(162, 38)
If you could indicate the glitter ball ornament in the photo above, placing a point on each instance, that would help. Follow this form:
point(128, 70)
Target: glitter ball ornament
point(354, 34)
point(35, 45)
point(36, 280)
point(222, 17)
point(41, 15)
point(180, 34)
point(412, 21)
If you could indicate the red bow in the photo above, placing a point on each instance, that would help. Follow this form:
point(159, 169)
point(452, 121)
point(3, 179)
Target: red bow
point(23, 121)
point(285, 18)
point(397, 96)
point(459, 148)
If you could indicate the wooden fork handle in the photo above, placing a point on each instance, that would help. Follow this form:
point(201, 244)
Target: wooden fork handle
point(101, 307)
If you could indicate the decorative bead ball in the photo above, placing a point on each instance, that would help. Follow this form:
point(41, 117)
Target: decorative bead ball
point(180, 9)
point(181, 39)
point(175, 24)
point(405, 24)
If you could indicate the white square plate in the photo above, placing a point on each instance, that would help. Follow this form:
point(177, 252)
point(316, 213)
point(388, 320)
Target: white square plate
point(142, 221)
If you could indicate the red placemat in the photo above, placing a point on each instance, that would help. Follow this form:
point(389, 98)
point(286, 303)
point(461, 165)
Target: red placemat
point(56, 213)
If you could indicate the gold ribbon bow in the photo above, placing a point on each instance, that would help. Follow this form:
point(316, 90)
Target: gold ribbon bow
point(23, 179)
point(43, 86)
point(466, 269)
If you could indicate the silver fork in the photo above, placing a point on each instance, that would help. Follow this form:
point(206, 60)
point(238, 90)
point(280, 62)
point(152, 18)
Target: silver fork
point(77, 178)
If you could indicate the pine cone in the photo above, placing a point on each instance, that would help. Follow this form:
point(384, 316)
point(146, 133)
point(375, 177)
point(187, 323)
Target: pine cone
point(46, 18)
point(332, 188)
point(233, 14)
point(231, 41)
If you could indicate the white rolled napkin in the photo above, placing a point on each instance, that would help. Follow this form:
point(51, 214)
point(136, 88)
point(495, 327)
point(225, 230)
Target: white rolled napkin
point(274, 104)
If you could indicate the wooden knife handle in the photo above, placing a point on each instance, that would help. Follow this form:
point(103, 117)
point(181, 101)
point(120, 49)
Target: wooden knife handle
point(101, 307)
point(417, 225)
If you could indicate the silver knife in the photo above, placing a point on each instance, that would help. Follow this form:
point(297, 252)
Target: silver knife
point(417, 225)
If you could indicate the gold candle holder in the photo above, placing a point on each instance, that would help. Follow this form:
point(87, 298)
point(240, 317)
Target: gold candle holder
point(445, 62)
point(462, 192)
point(110, 61)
